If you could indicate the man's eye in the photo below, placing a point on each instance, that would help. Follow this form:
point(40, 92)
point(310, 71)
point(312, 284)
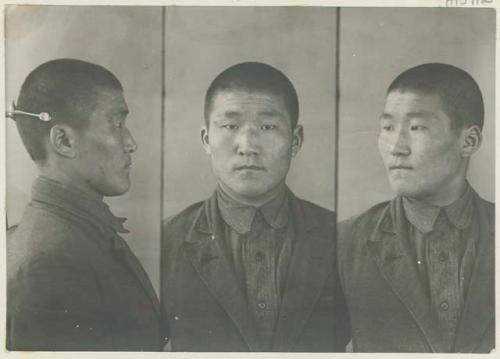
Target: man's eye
point(268, 127)
point(417, 127)
point(387, 127)
point(230, 127)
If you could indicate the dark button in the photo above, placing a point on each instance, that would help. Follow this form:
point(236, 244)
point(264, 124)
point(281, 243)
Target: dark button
point(444, 305)
point(259, 256)
point(261, 305)
point(442, 256)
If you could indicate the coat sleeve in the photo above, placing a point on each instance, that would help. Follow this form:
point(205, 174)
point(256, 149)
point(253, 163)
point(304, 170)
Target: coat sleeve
point(55, 304)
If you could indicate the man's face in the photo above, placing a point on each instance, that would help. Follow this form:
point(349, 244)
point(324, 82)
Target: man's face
point(251, 142)
point(104, 149)
point(420, 150)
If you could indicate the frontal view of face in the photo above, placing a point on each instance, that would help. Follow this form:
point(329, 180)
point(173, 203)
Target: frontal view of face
point(421, 152)
point(251, 142)
point(105, 148)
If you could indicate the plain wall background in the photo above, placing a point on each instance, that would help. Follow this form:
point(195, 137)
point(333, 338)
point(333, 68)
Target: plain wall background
point(127, 41)
point(376, 45)
point(201, 43)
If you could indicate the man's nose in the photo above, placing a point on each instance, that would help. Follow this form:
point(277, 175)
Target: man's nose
point(400, 143)
point(247, 142)
point(129, 141)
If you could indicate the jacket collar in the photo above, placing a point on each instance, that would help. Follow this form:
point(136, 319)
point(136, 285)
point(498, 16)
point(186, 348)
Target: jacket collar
point(240, 217)
point(309, 267)
point(423, 215)
point(81, 204)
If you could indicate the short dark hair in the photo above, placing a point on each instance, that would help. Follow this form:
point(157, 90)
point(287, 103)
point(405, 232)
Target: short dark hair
point(457, 90)
point(67, 90)
point(254, 77)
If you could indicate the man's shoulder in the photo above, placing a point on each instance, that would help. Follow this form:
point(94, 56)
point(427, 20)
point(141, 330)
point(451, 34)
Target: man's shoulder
point(490, 206)
point(310, 209)
point(184, 218)
point(44, 236)
point(367, 219)
point(486, 209)
point(41, 224)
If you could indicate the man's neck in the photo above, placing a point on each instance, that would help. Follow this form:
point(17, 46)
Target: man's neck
point(67, 179)
point(257, 201)
point(447, 196)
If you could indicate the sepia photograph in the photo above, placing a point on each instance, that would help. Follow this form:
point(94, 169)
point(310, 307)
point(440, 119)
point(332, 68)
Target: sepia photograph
point(416, 178)
point(82, 272)
point(249, 178)
point(249, 182)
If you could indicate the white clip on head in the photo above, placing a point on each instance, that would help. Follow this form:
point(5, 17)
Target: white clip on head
point(42, 116)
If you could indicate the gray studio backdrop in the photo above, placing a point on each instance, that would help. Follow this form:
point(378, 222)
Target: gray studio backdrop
point(127, 40)
point(202, 42)
point(376, 44)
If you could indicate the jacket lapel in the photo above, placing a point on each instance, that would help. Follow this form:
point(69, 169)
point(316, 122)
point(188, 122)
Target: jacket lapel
point(311, 263)
point(388, 247)
point(122, 250)
point(478, 313)
point(203, 247)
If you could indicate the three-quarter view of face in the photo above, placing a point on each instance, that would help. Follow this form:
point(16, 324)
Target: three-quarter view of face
point(421, 151)
point(104, 149)
point(250, 141)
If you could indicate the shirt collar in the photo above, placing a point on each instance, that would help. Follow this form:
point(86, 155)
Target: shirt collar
point(423, 215)
point(74, 200)
point(240, 217)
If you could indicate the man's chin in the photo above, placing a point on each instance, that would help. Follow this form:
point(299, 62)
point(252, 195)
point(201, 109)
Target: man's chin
point(250, 193)
point(404, 190)
point(116, 190)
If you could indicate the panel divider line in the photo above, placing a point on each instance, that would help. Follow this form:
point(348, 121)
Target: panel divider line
point(337, 107)
point(162, 134)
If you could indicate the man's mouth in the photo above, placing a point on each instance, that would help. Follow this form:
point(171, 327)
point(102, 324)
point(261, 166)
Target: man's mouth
point(400, 167)
point(250, 167)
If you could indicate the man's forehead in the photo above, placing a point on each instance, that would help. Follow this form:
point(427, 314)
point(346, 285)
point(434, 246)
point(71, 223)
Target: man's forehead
point(414, 96)
point(111, 100)
point(413, 102)
point(236, 96)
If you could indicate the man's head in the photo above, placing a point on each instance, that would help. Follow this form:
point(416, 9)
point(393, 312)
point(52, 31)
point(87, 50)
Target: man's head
point(430, 127)
point(86, 141)
point(251, 131)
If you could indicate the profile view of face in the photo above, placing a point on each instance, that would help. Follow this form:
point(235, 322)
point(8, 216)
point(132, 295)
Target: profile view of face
point(105, 147)
point(421, 151)
point(251, 142)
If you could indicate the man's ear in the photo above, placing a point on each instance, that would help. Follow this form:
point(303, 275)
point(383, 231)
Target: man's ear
point(472, 139)
point(297, 139)
point(62, 140)
point(204, 140)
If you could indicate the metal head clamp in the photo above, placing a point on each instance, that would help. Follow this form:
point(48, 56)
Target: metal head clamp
point(42, 116)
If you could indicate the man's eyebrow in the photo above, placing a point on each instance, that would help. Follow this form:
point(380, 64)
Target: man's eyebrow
point(385, 116)
point(421, 114)
point(270, 113)
point(231, 114)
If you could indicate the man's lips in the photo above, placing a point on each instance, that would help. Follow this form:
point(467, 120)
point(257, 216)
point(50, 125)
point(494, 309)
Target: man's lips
point(250, 167)
point(400, 167)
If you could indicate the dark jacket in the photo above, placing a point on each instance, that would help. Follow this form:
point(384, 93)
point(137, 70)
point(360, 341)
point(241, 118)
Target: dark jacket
point(204, 308)
point(389, 309)
point(73, 283)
